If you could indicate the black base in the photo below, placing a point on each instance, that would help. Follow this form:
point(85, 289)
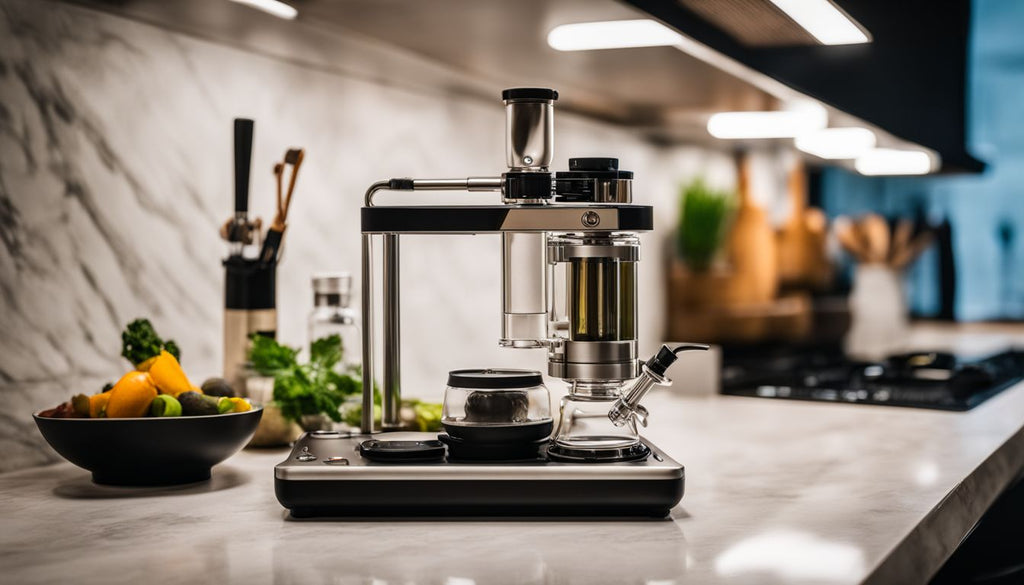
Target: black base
point(152, 478)
point(460, 450)
point(648, 498)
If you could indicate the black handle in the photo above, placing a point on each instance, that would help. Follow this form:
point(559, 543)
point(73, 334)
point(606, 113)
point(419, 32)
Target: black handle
point(268, 253)
point(667, 356)
point(243, 160)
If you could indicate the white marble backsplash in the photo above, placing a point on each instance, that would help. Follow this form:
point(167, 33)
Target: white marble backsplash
point(115, 173)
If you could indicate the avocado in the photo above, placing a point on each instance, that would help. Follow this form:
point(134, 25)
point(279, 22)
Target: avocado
point(196, 404)
point(218, 387)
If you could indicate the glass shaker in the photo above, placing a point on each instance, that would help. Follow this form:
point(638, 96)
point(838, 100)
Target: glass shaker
point(332, 293)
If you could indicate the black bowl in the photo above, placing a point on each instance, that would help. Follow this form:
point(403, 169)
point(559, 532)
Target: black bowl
point(149, 451)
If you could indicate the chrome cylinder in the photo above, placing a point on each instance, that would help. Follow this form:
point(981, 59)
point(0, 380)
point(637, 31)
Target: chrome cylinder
point(529, 134)
point(523, 289)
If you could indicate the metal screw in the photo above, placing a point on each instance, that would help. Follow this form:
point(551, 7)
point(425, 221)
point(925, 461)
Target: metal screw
point(528, 160)
point(591, 219)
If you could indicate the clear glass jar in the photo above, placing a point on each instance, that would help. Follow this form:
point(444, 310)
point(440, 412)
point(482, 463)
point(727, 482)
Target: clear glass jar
point(586, 433)
point(495, 406)
point(332, 293)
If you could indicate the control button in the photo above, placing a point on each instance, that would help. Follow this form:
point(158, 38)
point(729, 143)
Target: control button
point(305, 455)
point(336, 461)
point(656, 456)
point(591, 219)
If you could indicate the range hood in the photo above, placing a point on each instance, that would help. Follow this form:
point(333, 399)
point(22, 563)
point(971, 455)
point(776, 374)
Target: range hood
point(910, 79)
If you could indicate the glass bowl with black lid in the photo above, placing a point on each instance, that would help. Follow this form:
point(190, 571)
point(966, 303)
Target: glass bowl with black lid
point(496, 406)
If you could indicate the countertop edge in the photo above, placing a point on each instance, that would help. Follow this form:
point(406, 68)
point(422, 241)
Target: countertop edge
point(934, 540)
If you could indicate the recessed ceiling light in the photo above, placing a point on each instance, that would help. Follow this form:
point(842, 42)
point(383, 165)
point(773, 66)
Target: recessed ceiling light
point(889, 161)
point(278, 9)
point(612, 34)
point(837, 143)
point(825, 21)
point(788, 123)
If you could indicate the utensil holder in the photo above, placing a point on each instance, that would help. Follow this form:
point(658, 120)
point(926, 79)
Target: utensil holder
point(878, 311)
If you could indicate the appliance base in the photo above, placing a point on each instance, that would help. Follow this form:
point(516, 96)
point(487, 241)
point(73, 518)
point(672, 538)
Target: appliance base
point(321, 484)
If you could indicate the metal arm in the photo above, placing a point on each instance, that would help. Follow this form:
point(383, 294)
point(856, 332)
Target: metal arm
point(467, 184)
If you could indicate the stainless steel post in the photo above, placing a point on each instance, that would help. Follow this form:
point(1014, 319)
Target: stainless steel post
point(366, 424)
point(392, 400)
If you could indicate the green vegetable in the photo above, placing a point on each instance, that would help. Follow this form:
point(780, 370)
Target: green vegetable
point(269, 357)
point(139, 342)
point(165, 405)
point(704, 222)
point(312, 388)
point(428, 415)
point(225, 405)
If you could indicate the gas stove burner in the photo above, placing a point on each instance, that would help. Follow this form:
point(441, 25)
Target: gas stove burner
point(935, 380)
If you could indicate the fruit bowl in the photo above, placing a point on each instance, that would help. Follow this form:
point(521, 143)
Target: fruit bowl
point(149, 451)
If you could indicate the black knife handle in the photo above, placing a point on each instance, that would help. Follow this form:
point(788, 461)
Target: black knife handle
point(243, 161)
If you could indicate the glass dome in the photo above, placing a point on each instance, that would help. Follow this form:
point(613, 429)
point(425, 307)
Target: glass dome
point(496, 406)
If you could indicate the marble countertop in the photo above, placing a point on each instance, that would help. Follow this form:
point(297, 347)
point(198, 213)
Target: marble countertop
point(777, 492)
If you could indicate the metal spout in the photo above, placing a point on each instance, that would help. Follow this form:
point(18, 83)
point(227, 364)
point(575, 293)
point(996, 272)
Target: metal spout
point(652, 374)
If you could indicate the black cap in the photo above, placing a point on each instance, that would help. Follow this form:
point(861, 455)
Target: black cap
point(666, 356)
point(529, 93)
point(594, 164)
point(494, 379)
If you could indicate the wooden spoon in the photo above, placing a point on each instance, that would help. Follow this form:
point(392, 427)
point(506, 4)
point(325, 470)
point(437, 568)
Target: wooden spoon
point(875, 231)
point(846, 233)
point(901, 239)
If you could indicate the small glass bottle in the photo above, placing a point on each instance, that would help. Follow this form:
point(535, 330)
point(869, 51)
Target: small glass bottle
point(332, 293)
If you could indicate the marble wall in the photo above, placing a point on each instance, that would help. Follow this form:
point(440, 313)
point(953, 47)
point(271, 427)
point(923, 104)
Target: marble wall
point(115, 173)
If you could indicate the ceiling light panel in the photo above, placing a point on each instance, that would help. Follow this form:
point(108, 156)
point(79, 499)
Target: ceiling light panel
point(825, 21)
point(837, 143)
point(889, 161)
point(613, 34)
point(788, 123)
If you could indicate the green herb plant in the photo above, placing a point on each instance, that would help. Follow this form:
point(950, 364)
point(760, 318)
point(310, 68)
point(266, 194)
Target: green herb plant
point(704, 221)
point(319, 387)
point(314, 387)
point(139, 342)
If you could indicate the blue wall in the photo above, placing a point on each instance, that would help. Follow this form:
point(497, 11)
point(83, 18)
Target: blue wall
point(990, 282)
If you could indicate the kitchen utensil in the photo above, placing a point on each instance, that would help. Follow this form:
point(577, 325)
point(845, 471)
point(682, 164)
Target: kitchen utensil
point(912, 250)
point(878, 311)
point(849, 237)
point(271, 246)
point(875, 231)
point(579, 225)
point(752, 252)
point(249, 284)
point(149, 451)
point(794, 247)
point(238, 230)
point(901, 239)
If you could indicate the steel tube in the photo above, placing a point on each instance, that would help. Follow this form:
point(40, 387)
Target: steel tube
point(366, 422)
point(392, 399)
